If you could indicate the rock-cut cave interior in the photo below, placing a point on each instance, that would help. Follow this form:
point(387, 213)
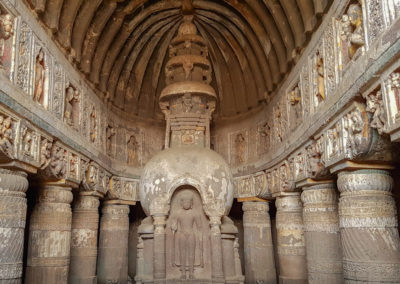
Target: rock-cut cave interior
point(199, 141)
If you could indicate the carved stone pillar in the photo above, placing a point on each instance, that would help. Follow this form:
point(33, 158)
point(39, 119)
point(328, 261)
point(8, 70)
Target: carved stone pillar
point(258, 249)
point(368, 226)
point(217, 272)
point(85, 224)
point(50, 236)
point(13, 185)
point(291, 243)
point(112, 263)
point(321, 230)
point(159, 269)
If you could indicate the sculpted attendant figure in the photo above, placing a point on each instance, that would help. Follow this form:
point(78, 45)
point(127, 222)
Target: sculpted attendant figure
point(183, 228)
point(39, 77)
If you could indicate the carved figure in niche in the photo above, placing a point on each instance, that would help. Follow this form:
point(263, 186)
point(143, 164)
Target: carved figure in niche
point(314, 154)
point(45, 153)
point(93, 125)
point(264, 131)
point(58, 162)
point(333, 140)
point(296, 108)
point(6, 31)
point(71, 99)
point(40, 77)
point(352, 32)
point(187, 67)
point(6, 137)
point(375, 106)
point(187, 104)
point(132, 147)
point(110, 134)
point(354, 125)
point(27, 141)
point(393, 86)
point(240, 148)
point(320, 82)
point(183, 227)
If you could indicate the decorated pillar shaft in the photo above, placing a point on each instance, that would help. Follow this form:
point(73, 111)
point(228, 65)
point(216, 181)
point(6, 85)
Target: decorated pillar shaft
point(290, 236)
point(50, 236)
point(368, 226)
point(217, 272)
point(258, 249)
point(13, 186)
point(85, 224)
point(159, 249)
point(112, 263)
point(321, 230)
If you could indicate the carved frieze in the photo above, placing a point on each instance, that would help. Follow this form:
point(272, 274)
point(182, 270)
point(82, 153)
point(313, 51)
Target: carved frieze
point(244, 186)
point(7, 27)
point(123, 189)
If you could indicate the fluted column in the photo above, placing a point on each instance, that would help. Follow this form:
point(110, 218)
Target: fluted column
point(159, 268)
point(13, 185)
point(112, 262)
point(258, 249)
point(291, 243)
point(216, 250)
point(50, 236)
point(321, 230)
point(85, 224)
point(368, 226)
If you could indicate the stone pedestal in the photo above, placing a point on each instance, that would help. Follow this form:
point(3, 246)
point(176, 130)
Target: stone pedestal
point(258, 248)
point(85, 224)
point(217, 272)
point(368, 226)
point(321, 230)
point(50, 236)
point(291, 243)
point(13, 186)
point(112, 263)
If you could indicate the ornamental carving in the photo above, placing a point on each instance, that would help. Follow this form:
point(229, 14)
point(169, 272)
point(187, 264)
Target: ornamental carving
point(6, 32)
point(57, 167)
point(295, 106)
point(71, 106)
point(315, 165)
point(374, 102)
point(46, 144)
point(28, 145)
point(318, 79)
point(123, 189)
point(7, 135)
point(351, 33)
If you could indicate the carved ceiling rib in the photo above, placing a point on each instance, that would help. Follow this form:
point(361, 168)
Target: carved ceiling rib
point(112, 43)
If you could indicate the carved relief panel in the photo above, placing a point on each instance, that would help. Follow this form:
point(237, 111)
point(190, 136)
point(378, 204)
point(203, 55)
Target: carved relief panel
point(57, 98)
point(244, 186)
point(294, 97)
point(8, 22)
point(8, 135)
point(264, 135)
point(72, 98)
point(41, 72)
point(391, 89)
point(23, 58)
point(375, 23)
point(318, 78)
point(391, 11)
point(351, 34)
point(29, 140)
point(134, 148)
point(238, 147)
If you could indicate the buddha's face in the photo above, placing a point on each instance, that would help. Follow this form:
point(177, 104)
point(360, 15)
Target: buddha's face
point(187, 203)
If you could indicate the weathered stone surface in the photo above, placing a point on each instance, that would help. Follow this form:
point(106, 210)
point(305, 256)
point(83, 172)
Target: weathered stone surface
point(368, 226)
point(322, 236)
point(85, 226)
point(112, 262)
point(291, 242)
point(258, 247)
point(50, 236)
point(13, 185)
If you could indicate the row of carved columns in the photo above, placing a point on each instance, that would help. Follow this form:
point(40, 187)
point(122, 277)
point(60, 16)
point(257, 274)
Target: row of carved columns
point(325, 239)
point(62, 244)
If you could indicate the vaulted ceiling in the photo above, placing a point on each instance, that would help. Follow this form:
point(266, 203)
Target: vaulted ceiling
point(122, 46)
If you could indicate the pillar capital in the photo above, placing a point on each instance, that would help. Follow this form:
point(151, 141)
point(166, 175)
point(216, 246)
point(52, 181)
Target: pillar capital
point(289, 202)
point(255, 206)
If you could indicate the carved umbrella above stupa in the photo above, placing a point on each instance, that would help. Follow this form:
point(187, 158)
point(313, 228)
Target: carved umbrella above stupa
point(187, 189)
